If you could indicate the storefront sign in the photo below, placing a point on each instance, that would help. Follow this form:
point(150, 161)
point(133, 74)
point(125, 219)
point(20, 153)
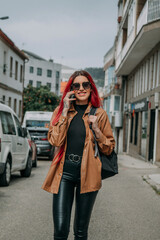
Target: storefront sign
point(139, 105)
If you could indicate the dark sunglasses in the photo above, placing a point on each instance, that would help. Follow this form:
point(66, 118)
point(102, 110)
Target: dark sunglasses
point(85, 85)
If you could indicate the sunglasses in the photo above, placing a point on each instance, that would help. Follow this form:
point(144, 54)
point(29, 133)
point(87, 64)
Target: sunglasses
point(85, 85)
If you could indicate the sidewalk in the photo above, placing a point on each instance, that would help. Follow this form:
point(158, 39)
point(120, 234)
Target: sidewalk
point(131, 162)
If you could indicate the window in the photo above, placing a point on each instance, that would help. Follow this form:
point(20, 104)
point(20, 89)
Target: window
point(116, 103)
point(31, 82)
point(7, 123)
point(31, 69)
point(49, 85)
point(4, 98)
point(38, 84)
point(21, 73)
point(15, 105)
point(39, 71)
point(11, 66)
point(4, 62)
point(57, 81)
point(20, 108)
point(19, 128)
point(49, 73)
point(9, 102)
point(57, 74)
point(16, 70)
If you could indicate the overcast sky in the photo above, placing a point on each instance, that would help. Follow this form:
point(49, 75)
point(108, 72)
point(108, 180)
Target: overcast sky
point(76, 33)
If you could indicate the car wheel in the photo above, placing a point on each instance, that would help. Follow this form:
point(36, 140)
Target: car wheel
point(5, 178)
point(35, 162)
point(27, 171)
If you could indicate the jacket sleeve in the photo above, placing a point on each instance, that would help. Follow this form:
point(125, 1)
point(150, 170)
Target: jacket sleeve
point(57, 133)
point(106, 142)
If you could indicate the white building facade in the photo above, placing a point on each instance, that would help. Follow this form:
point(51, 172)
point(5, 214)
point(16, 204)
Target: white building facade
point(12, 62)
point(112, 102)
point(39, 71)
point(137, 63)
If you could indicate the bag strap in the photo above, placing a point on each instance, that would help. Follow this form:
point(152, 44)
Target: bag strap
point(93, 112)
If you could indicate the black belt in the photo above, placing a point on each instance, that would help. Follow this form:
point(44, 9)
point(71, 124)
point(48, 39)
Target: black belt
point(73, 157)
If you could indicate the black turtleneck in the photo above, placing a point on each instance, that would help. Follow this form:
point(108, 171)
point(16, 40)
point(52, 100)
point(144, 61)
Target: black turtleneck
point(76, 132)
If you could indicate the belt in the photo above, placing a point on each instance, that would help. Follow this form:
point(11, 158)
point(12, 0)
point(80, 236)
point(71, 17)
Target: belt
point(73, 157)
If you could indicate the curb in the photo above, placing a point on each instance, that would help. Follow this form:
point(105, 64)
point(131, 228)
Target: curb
point(153, 184)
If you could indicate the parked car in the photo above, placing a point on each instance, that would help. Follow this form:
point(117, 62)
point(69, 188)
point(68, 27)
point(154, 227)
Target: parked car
point(15, 152)
point(33, 149)
point(37, 123)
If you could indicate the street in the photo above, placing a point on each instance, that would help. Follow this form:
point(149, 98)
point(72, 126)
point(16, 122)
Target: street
point(127, 208)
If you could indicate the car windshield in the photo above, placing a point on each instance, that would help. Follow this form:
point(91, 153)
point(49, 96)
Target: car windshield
point(36, 123)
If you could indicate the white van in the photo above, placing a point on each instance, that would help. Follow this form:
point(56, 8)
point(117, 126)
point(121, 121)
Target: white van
point(15, 152)
point(37, 123)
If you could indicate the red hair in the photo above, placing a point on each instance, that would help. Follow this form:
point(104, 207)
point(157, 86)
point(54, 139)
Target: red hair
point(94, 99)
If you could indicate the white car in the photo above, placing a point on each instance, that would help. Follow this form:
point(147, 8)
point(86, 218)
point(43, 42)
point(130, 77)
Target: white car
point(15, 152)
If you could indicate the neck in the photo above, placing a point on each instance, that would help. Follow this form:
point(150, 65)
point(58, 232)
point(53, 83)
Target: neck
point(82, 102)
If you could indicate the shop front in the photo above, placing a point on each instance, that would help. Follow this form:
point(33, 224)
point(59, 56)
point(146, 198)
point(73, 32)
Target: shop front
point(139, 128)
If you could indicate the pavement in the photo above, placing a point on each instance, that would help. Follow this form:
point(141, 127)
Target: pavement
point(152, 179)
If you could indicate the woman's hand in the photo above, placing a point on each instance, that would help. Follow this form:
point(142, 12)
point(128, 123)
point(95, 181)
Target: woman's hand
point(67, 102)
point(93, 120)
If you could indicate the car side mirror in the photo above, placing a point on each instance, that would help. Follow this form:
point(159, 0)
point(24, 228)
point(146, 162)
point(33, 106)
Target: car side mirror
point(24, 132)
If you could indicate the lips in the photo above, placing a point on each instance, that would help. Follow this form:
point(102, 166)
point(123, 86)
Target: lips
point(82, 94)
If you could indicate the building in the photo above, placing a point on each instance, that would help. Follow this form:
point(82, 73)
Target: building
point(66, 73)
point(12, 62)
point(39, 71)
point(112, 96)
point(137, 63)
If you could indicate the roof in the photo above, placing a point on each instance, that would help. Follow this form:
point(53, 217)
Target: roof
point(33, 55)
point(11, 44)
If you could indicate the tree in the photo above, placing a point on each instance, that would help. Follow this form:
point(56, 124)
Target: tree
point(39, 99)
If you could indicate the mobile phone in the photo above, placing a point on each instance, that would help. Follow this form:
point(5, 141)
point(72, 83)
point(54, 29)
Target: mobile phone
point(72, 96)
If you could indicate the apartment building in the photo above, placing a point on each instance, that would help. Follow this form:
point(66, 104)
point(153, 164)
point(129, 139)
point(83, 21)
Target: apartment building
point(39, 71)
point(112, 97)
point(12, 62)
point(137, 62)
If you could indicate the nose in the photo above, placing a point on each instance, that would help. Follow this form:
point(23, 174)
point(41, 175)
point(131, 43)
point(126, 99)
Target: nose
point(81, 87)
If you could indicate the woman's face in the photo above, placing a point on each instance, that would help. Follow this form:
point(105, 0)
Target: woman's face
point(82, 91)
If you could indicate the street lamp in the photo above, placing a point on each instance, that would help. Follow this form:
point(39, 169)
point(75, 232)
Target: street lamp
point(4, 18)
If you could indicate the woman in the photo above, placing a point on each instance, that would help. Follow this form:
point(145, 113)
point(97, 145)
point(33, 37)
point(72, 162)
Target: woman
point(75, 167)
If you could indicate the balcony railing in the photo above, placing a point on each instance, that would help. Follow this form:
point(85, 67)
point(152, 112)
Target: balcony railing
point(142, 17)
point(125, 7)
point(150, 12)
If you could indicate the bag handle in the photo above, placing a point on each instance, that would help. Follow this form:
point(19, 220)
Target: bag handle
point(93, 112)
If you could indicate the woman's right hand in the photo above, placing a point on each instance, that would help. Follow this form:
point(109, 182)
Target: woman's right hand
point(67, 102)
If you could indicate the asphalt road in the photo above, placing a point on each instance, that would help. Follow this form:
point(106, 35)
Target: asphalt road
point(127, 208)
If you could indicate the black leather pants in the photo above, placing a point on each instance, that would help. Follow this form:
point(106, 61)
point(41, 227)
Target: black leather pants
point(62, 205)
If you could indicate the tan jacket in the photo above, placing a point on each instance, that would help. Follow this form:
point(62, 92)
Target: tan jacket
point(90, 165)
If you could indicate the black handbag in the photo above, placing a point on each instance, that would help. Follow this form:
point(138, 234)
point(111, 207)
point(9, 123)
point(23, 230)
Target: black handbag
point(109, 162)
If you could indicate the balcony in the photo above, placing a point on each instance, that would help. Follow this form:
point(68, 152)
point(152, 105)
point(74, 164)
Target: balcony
point(150, 13)
point(146, 38)
point(142, 17)
point(125, 7)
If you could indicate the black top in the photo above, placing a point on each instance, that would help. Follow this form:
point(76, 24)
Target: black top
point(76, 132)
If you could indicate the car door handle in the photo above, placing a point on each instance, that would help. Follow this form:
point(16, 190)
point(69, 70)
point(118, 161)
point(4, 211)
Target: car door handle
point(19, 144)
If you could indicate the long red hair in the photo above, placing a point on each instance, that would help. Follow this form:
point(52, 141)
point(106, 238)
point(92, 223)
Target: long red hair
point(94, 99)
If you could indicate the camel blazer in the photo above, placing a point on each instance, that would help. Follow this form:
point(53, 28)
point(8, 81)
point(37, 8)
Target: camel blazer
point(90, 165)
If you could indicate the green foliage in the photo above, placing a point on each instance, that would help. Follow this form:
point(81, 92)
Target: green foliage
point(97, 74)
point(39, 99)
